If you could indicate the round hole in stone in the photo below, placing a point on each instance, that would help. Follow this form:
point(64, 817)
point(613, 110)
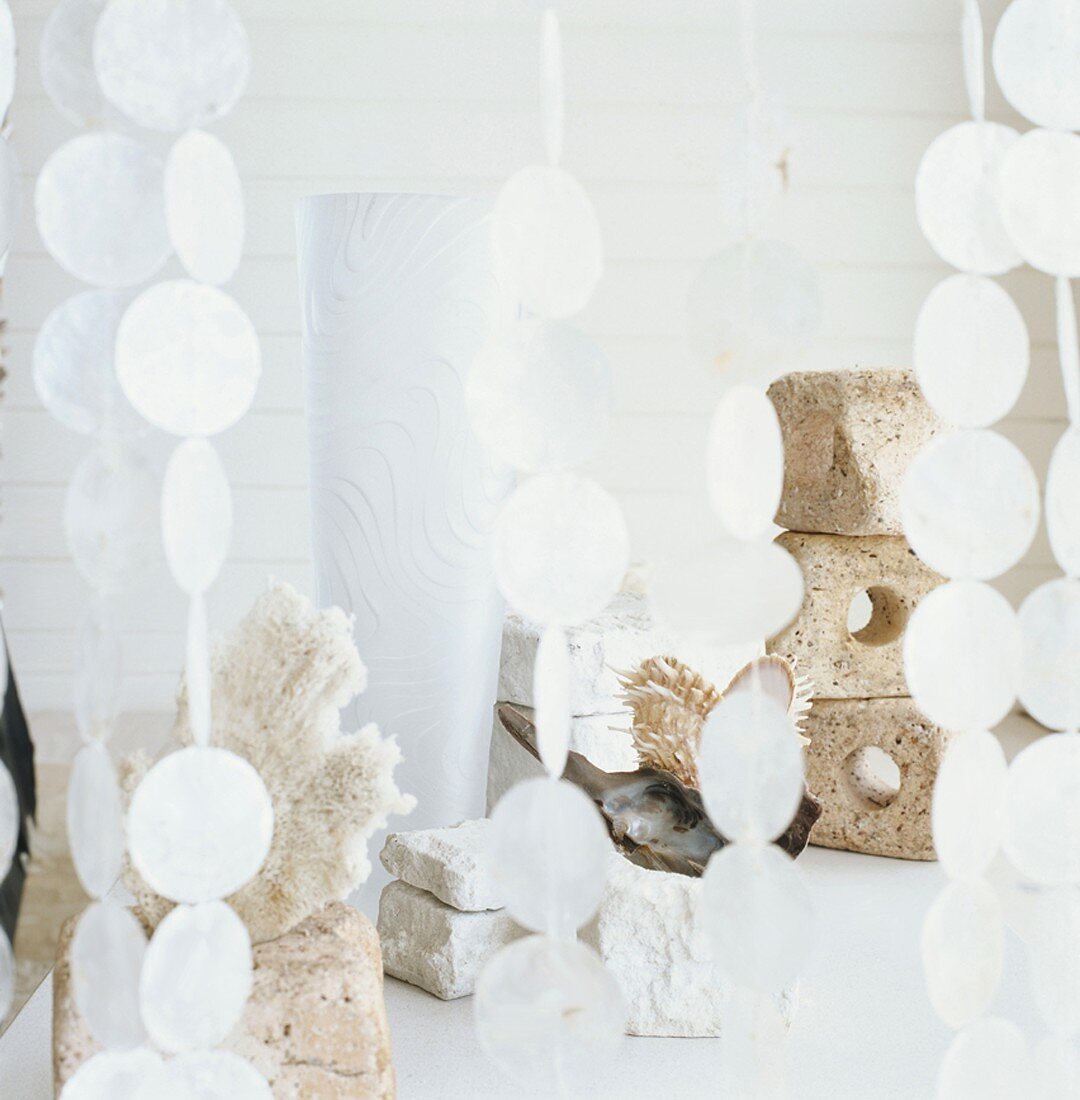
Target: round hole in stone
point(872, 777)
point(876, 616)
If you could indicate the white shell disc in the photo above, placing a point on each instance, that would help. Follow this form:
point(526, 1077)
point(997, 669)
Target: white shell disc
point(1050, 688)
point(74, 366)
point(987, 1060)
point(95, 820)
point(1038, 182)
point(1037, 61)
point(106, 958)
point(969, 804)
point(1042, 811)
point(546, 246)
point(963, 656)
point(1063, 502)
point(172, 64)
point(548, 850)
point(196, 977)
point(196, 515)
point(757, 914)
point(204, 207)
point(10, 819)
point(560, 549)
point(188, 358)
point(963, 951)
point(745, 462)
point(971, 351)
point(11, 194)
point(7, 58)
point(549, 1012)
point(541, 398)
point(751, 766)
point(213, 1075)
point(200, 825)
point(956, 199)
point(727, 592)
point(67, 62)
point(970, 504)
point(1054, 958)
point(752, 309)
point(100, 210)
point(109, 518)
point(117, 1075)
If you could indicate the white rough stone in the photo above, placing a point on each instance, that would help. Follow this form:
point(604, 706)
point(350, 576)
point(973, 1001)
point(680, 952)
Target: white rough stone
point(427, 943)
point(602, 738)
point(647, 933)
point(449, 863)
point(616, 641)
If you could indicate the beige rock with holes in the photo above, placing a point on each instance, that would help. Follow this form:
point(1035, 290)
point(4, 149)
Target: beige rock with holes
point(836, 568)
point(862, 809)
point(848, 439)
point(315, 1025)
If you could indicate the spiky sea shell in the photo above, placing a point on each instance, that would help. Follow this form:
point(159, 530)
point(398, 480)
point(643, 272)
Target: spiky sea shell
point(670, 703)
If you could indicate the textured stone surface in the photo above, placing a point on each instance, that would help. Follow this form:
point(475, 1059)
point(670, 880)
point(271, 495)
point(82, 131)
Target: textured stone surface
point(427, 943)
point(647, 933)
point(449, 863)
point(616, 641)
point(861, 812)
point(315, 1025)
point(848, 439)
point(870, 663)
point(602, 738)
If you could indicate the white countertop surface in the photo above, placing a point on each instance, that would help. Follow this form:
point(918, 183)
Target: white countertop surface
point(864, 1026)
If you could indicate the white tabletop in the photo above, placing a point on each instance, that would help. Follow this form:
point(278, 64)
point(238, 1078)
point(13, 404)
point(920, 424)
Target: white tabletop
point(864, 1026)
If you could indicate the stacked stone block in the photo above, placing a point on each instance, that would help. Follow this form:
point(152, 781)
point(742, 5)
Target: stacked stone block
point(848, 439)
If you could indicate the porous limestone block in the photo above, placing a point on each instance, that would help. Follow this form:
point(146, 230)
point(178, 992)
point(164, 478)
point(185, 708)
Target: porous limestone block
point(648, 934)
point(849, 437)
point(449, 863)
point(602, 738)
point(427, 943)
point(869, 663)
point(617, 640)
point(315, 1025)
point(863, 811)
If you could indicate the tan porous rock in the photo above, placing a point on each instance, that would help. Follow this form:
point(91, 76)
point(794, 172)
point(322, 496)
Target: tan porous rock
point(848, 439)
point(868, 663)
point(863, 809)
point(315, 1025)
point(436, 947)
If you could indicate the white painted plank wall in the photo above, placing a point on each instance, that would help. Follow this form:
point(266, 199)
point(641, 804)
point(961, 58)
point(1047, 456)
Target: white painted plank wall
point(440, 95)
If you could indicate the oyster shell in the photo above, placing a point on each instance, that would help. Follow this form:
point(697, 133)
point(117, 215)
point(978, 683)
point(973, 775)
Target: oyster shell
point(655, 815)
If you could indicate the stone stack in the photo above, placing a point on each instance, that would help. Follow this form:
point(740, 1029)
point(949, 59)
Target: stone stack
point(442, 920)
point(443, 917)
point(872, 760)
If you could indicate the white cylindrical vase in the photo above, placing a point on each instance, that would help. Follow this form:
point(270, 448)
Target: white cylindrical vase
point(397, 299)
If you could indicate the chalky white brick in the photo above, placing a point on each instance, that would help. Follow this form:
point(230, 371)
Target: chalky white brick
point(616, 641)
point(449, 863)
point(434, 946)
point(647, 933)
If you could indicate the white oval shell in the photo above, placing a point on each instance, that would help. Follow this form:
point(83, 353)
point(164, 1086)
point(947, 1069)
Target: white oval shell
point(200, 825)
point(745, 462)
point(963, 656)
point(1050, 688)
point(196, 977)
point(188, 358)
point(196, 515)
point(956, 200)
point(204, 207)
point(95, 820)
point(106, 958)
